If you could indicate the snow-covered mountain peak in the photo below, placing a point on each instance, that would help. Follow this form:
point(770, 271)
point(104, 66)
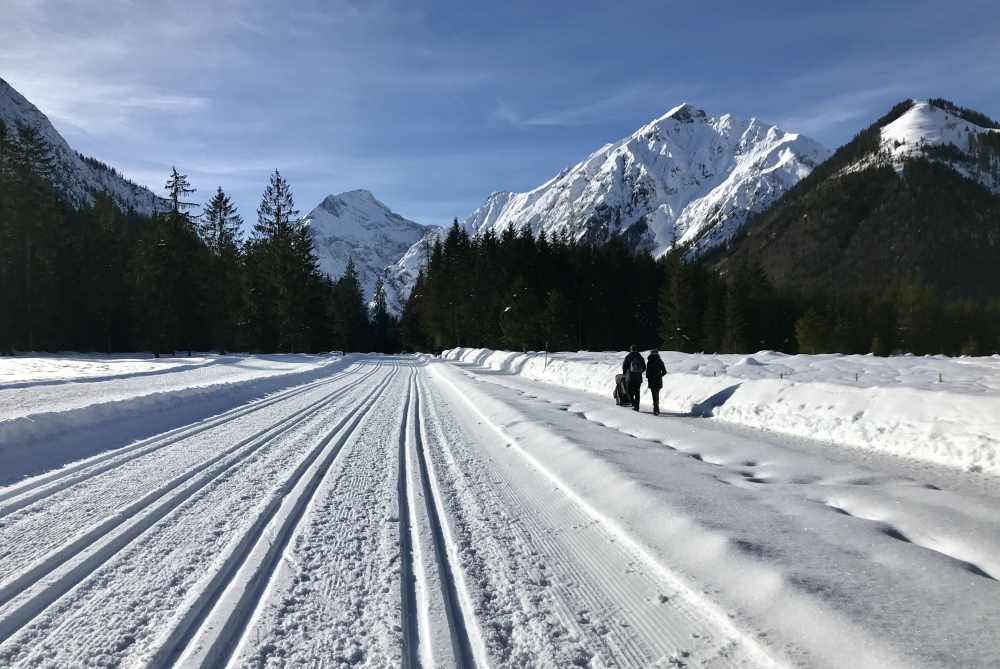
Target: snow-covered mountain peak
point(942, 132)
point(684, 178)
point(685, 113)
point(355, 224)
point(77, 177)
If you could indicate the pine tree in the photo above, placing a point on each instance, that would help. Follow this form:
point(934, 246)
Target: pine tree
point(381, 321)
point(7, 241)
point(220, 229)
point(813, 332)
point(34, 211)
point(679, 307)
point(285, 278)
point(178, 188)
point(351, 327)
point(184, 262)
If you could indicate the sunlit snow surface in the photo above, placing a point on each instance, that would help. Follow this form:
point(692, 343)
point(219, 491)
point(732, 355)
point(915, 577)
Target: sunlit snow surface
point(935, 408)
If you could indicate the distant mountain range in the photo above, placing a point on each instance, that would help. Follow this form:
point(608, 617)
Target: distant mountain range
point(77, 176)
point(918, 193)
point(684, 179)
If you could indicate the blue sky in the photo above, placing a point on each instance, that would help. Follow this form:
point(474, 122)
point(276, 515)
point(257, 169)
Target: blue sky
point(432, 106)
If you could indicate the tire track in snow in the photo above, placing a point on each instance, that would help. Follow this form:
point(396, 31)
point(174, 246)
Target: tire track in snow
point(213, 622)
point(42, 583)
point(40, 487)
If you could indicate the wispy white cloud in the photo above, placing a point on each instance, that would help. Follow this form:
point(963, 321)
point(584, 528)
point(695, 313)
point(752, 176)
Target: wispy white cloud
point(624, 103)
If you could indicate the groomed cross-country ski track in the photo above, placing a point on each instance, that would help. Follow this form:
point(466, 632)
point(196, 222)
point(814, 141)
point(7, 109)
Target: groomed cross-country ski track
point(407, 511)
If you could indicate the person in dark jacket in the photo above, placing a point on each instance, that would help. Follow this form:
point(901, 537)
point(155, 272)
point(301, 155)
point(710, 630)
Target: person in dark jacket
point(655, 371)
point(632, 367)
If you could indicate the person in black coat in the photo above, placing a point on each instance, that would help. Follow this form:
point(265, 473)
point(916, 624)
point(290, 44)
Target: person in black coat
point(632, 367)
point(655, 371)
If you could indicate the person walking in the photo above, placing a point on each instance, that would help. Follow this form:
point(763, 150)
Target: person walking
point(632, 367)
point(655, 371)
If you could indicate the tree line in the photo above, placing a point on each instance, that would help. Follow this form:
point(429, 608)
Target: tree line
point(100, 279)
point(522, 291)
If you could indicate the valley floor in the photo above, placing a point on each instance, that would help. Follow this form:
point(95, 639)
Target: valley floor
point(403, 511)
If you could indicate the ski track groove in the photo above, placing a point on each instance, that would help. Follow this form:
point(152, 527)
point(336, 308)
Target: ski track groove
point(409, 613)
point(185, 646)
point(709, 610)
point(51, 578)
point(335, 597)
point(118, 514)
point(468, 647)
point(572, 573)
point(299, 514)
point(38, 488)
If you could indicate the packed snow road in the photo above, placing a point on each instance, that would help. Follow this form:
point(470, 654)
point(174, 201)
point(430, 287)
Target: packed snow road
point(399, 511)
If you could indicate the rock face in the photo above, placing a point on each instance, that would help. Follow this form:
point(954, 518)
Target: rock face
point(356, 225)
point(78, 177)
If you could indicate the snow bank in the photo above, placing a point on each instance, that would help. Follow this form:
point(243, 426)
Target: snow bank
point(47, 421)
point(938, 409)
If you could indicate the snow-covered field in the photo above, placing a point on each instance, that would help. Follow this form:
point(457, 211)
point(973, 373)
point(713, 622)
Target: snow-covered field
point(47, 402)
point(935, 408)
point(404, 511)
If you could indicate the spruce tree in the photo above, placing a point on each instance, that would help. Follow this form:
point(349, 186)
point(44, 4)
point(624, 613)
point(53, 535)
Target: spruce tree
point(220, 229)
point(283, 272)
point(381, 319)
point(7, 241)
point(351, 327)
point(34, 211)
point(679, 307)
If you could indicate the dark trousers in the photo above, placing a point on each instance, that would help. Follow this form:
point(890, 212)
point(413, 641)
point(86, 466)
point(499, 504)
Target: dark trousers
point(634, 386)
point(655, 392)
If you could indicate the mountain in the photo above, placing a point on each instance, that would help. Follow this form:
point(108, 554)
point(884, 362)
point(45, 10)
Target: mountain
point(938, 130)
point(356, 225)
point(685, 178)
point(915, 197)
point(77, 176)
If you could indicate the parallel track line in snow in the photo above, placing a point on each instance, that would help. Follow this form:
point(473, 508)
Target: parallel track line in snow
point(213, 623)
point(77, 560)
point(468, 648)
point(709, 609)
point(43, 486)
point(408, 588)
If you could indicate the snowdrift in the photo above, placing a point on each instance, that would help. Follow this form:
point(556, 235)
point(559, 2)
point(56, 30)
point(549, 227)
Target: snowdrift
point(938, 409)
point(47, 421)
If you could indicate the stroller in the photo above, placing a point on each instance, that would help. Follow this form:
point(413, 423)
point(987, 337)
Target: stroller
point(621, 391)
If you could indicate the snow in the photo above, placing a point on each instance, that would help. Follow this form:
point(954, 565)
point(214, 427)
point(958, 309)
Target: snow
point(354, 225)
point(690, 178)
point(79, 180)
point(47, 401)
point(828, 557)
point(938, 409)
point(391, 509)
point(925, 125)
